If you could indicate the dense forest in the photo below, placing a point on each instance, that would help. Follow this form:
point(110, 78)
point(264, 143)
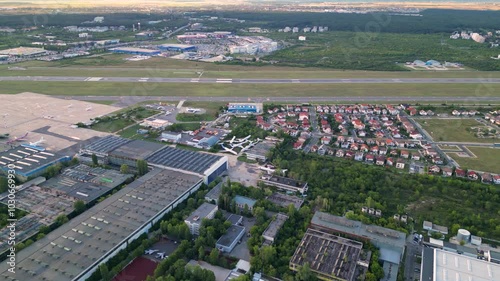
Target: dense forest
point(381, 51)
point(431, 21)
point(338, 186)
point(82, 19)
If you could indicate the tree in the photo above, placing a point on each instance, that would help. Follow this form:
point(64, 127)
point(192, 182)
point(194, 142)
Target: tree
point(61, 219)
point(74, 161)
point(142, 167)
point(201, 253)
point(79, 206)
point(304, 273)
point(4, 184)
point(94, 159)
point(124, 169)
point(103, 269)
point(214, 256)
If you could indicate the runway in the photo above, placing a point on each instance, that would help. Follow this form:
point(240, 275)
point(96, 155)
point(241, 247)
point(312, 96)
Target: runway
point(255, 81)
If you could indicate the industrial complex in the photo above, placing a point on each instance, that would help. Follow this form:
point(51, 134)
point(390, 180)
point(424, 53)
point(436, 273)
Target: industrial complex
point(331, 257)
point(28, 162)
point(335, 258)
point(440, 265)
point(74, 250)
point(116, 151)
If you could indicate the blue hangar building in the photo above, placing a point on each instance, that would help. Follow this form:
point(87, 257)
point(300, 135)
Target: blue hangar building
point(135, 51)
point(28, 161)
point(244, 108)
point(177, 47)
point(117, 151)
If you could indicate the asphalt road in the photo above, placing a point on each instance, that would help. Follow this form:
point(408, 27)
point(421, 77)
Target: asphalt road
point(255, 81)
point(131, 100)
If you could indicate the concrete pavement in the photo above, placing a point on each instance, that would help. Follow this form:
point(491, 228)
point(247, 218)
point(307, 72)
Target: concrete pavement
point(131, 100)
point(255, 81)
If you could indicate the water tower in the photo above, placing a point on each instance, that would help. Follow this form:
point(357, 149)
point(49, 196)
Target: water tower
point(463, 235)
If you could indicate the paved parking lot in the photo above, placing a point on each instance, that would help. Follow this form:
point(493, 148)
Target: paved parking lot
point(241, 250)
point(163, 246)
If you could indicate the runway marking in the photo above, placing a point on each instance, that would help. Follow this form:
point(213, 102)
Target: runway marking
point(224, 80)
point(93, 79)
point(143, 80)
point(397, 80)
point(346, 80)
point(195, 80)
point(295, 81)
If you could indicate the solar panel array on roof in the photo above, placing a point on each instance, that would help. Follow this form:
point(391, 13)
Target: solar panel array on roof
point(106, 144)
point(183, 159)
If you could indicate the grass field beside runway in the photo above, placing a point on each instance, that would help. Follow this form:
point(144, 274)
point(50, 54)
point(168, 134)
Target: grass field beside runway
point(112, 65)
point(486, 161)
point(456, 130)
point(251, 90)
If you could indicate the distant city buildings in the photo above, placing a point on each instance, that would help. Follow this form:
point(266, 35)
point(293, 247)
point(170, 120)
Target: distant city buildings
point(306, 29)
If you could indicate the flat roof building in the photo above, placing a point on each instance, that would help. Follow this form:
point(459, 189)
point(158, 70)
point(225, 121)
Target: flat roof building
point(329, 256)
point(244, 108)
point(209, 166)
point(259, 151)
point(283, 183)
point(214, 193)
point(205, 211)
point(103, 146)
point(130, 152)
point(85, 183)
point(242, 201)
point(23, 52)
point(439, 265)
point(273, 228)
point(177, 47)
point(171, 136)
point(235, 219)
point(228, 241)
point(135, 51)
point(390, 242)
point(76, 249)
point(28, 162)
point(429, 226)
point(285, 200)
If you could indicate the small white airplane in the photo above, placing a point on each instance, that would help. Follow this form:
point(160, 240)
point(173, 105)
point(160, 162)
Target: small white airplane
point(89, 108)
point(231, 141)
point(150, 251)
point(161, 255)
point(268, 168)
point(193, 110)
point(237, 145)
point(243, 139)
point(37, 142)
point(228, 149)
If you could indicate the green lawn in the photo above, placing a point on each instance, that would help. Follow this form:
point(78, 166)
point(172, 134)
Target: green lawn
point(113, 65)
point(130, 132)
point(454, 130)
point(249, 90)
point(112, 126)
point(486, 161)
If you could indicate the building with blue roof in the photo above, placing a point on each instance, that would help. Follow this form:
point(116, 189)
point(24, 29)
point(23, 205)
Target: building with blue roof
point(135, 51)
point(28, 162)
point(244, 108)
point(208, 142)
point(177, 47)
point(241, 201)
